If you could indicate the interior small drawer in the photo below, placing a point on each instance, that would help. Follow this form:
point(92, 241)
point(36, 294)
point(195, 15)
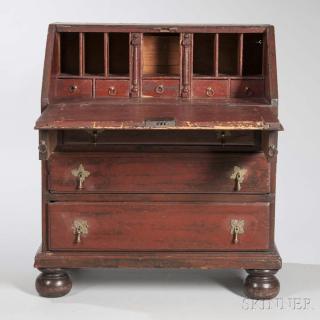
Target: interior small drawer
point(210, 88)
point(73, 88)
point(116, 226)
point(160, 88)
point(112, 88)
point(154, 172)
point(253, 88)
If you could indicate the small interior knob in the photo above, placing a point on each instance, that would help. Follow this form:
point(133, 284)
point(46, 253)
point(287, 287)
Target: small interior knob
point(159, 89)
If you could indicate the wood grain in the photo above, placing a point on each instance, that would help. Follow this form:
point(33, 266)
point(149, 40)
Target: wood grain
point(158, 226)
point(120, 114)
point(159, 172)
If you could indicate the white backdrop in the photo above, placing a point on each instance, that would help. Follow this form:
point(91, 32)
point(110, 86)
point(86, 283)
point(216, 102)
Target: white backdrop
point(22, 44)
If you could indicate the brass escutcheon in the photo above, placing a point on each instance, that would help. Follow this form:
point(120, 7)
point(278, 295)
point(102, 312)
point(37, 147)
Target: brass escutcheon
point(81, 174)
point(238, 176)
point(237, 227)
point(79, 227)
point(42, 147)
point(272, 151)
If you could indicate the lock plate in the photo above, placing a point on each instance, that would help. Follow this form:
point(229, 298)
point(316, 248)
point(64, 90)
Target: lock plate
point(160, 123)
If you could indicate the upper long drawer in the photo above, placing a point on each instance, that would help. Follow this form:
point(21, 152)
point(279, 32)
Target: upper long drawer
point(151, 172)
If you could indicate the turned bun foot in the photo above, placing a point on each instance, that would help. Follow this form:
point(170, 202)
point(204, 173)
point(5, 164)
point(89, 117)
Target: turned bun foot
point(261, 284)
point(53, 283)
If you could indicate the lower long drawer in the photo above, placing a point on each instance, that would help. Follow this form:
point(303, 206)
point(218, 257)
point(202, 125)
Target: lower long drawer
point(132, 226)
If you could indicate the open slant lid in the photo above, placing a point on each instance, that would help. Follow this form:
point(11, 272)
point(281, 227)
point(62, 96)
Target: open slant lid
point(144, 114)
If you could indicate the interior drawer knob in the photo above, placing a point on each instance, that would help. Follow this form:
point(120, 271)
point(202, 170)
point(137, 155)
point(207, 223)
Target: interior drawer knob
point(210, 92)
point(159, 89)
point(112, 91)
point(248, 91)
point(73, 88)
point(81, 174)
point(237, 227)
point(80, 228)
point(238, 175)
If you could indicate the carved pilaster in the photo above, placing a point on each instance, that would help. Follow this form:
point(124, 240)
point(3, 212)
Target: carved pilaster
point(186, 68)
point(135, 64)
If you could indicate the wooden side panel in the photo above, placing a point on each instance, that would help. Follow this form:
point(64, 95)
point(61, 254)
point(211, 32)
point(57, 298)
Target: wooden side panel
point(158, 226)
point(159, 172)
point(47, 69)
point(270, 66)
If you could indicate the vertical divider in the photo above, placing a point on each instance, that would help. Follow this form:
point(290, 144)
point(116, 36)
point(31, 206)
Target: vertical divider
point(81, 54)
point(216, 55)
point(240, 54)
point(106, 54)
point(186, 43)
point(135, 63)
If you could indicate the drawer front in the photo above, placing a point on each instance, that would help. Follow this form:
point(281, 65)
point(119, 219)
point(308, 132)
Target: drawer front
point(73, 88)
point(158, 226)
point(151, 172)
point(160, 88)
point(112, 88)
point(155, 137)
point(210, 88)
point(247, 88)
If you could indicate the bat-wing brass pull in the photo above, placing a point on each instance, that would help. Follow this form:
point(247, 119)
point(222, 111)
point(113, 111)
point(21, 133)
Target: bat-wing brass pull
point(81, 174)
point(79, 227)
point(238, 176)
point(237, 227)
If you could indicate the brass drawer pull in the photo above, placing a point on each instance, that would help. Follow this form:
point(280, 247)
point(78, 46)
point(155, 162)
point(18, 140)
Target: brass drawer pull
point(210, 92)
point(112, 91)
point(159, 89)
point(73, 88)
point(81, 174)
point(238, 176)
point(79, 227)
point(237, 227)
